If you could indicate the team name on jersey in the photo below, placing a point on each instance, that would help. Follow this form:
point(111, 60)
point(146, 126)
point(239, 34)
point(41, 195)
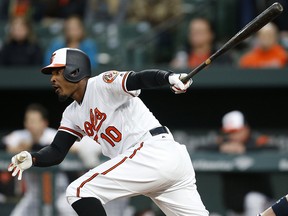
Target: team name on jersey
point(111, 134)
point(92, 126)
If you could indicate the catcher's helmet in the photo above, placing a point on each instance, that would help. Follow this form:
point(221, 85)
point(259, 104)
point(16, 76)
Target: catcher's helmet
point(75, 62)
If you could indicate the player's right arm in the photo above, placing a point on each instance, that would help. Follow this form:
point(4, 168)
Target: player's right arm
point(50, 155)
point(152, 78)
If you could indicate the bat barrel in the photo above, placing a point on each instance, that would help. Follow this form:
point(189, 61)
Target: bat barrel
point(278, 6)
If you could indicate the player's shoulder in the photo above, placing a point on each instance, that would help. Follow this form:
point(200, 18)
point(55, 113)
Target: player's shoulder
point(111, 75)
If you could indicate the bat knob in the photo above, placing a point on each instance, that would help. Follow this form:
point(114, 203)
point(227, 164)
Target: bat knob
point(22, 156)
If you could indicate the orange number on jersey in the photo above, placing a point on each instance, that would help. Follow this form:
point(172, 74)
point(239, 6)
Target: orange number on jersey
point(112, 135)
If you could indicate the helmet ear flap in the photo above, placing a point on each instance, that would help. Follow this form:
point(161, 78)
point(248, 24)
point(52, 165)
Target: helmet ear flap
point(71, 73)
point(77, 66)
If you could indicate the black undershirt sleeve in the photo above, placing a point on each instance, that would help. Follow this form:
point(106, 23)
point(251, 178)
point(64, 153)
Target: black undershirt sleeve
point(147, 79)
point(54, 153)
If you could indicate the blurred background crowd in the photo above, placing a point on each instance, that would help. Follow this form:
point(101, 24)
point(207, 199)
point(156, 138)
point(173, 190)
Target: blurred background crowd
point(239, 116)
point(179, 33)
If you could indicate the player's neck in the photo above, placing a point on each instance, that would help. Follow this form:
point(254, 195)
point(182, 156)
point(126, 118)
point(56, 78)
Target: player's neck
point(79, 94)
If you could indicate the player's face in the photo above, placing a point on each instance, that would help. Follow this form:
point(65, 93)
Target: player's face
point(63, 88)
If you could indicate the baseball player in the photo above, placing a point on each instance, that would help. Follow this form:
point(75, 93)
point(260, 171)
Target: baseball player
point(145, 159)
point(279, 208)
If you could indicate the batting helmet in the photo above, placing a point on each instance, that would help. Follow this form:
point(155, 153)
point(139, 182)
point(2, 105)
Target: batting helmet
point(75, 62)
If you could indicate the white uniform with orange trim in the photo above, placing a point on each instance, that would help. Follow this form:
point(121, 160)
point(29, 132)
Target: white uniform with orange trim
point(156, 166)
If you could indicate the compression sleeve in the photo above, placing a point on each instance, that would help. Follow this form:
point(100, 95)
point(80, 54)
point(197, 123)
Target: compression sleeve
point(147, 79)
point(54, 153)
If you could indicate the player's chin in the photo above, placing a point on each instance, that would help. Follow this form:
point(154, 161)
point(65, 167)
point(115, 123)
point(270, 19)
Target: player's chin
point(62, 98)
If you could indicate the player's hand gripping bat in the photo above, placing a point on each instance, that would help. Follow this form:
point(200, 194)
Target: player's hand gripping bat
point(253, 26)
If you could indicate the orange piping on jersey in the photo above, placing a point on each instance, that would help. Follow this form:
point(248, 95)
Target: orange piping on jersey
point(108, 170)
point(115, 166)
point(123, 84)
point(135, 150)
point(96, 174)
point(84, 182)
point(72, 131)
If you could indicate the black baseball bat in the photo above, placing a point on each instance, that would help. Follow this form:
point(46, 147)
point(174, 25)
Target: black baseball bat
point(253, 26)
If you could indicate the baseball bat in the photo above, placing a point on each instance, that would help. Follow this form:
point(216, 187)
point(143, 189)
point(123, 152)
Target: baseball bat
point(253, 26)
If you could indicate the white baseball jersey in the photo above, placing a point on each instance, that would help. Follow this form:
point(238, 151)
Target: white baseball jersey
point(109, 114)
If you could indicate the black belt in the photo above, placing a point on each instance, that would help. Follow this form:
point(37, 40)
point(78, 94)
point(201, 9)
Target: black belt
point(158, 130)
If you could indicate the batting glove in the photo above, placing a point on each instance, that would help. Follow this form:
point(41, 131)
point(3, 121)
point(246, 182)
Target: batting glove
point(177, 86)
point(19, 163)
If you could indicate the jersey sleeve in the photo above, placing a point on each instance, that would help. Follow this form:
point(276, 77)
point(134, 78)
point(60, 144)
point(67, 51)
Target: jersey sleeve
point(68, 126)
point(116, 82)
point(111, 85)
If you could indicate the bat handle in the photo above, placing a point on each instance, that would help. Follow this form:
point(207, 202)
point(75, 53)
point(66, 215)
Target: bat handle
point(196, 70)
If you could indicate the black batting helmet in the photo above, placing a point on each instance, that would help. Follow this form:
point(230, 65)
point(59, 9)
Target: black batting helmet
point(75, 62)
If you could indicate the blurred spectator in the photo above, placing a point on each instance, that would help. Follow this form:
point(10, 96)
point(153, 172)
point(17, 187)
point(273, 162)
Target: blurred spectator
point(153, 11)
point(21, 47)
point(32, 9)
point(163, 16)
point(35, 135)
point(4, 12)
point(267, 52)
point(111, 11)
point(74, 36)
point(246, 12)
point(42, 10)
point(249, 9)
point(7, 187)
point(238, 137)
point(19, 7)
point(62, 9)
point(244, 193)
point(201, 45)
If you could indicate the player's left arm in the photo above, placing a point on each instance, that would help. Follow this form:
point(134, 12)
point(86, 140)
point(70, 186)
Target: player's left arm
point(155, 78)
point(54, 153)
point(50, 155)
